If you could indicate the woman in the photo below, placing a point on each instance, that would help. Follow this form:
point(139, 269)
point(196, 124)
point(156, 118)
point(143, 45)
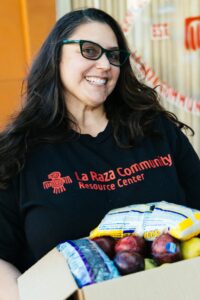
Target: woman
point(89, 138)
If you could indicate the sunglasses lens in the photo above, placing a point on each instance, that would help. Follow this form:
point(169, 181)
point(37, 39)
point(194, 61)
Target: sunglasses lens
point(118, 57)
point(93, 51)
point(90, 50)
point(114, 57)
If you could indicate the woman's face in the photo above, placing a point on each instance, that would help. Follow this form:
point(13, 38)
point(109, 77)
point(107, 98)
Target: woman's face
point(88, 83)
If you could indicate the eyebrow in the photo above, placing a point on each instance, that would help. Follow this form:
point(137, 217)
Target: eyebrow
point(113, 48)
point(108, 48)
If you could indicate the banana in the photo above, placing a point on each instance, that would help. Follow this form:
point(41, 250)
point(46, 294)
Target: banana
point(190, 248)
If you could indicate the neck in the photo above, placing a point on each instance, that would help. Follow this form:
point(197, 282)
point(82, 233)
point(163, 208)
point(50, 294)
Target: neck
point(91, 120)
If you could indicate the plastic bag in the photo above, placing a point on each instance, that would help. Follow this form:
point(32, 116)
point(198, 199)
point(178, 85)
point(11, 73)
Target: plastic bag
point(87, 262)
point(150, 220)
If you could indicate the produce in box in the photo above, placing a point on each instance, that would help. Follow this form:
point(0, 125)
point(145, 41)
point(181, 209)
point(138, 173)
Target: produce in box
point(133, 239)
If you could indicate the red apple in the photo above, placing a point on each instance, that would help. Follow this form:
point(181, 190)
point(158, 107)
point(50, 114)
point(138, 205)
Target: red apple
point(129, 262)
point(165, 249)
point(132, 243)
point(107, 244)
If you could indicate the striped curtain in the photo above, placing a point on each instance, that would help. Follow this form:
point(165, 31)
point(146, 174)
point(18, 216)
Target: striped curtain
point(164, 36)
point(116, 8)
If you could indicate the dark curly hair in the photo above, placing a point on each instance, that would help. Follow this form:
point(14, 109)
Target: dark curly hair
point(44, 116)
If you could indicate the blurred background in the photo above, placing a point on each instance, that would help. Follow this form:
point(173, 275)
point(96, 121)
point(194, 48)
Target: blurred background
point(163, 35)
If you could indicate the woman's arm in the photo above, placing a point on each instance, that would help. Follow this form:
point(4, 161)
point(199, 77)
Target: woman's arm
point(8, 281)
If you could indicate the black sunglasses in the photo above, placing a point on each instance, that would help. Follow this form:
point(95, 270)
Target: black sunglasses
point(94, 51)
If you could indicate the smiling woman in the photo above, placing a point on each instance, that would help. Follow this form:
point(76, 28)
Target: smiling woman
point(90, 138)
point(92, 77)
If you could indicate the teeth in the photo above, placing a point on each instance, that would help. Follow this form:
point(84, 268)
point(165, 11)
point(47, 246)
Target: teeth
point(96, 80)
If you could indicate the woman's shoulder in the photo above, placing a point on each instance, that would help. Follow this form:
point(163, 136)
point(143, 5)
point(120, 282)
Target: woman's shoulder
point(177, 136)
point(172, 132)
point(167, 126)
point(164, 121)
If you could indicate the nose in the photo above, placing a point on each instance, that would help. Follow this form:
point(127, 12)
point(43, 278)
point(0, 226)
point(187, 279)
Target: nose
point(103, 62)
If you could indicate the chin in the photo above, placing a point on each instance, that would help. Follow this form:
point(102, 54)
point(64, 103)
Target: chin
point(96, 102)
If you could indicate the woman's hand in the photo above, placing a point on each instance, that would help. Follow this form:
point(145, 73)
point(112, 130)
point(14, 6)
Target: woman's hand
point(8, 281)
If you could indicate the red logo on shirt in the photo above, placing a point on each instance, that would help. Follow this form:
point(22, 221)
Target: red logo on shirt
point(57, 182)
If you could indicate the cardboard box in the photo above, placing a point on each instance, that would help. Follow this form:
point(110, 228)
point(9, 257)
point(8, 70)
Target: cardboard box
point(50, 279)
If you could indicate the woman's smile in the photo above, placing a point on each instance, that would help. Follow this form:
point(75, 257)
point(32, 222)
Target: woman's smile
point(97, 81)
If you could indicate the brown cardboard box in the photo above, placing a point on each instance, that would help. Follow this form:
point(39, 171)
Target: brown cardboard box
point(50, 279)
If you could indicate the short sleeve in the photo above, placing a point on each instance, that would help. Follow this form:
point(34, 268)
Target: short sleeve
point(12, 239)
point(187, 165)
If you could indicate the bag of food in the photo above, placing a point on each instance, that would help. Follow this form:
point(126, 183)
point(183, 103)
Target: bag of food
point(87, 262)
point(150, 220)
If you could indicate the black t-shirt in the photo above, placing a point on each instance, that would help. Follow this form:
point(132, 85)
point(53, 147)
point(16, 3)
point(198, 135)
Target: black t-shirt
point(65, 189)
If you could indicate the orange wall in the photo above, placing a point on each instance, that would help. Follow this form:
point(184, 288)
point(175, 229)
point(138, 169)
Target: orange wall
point(23, 26)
